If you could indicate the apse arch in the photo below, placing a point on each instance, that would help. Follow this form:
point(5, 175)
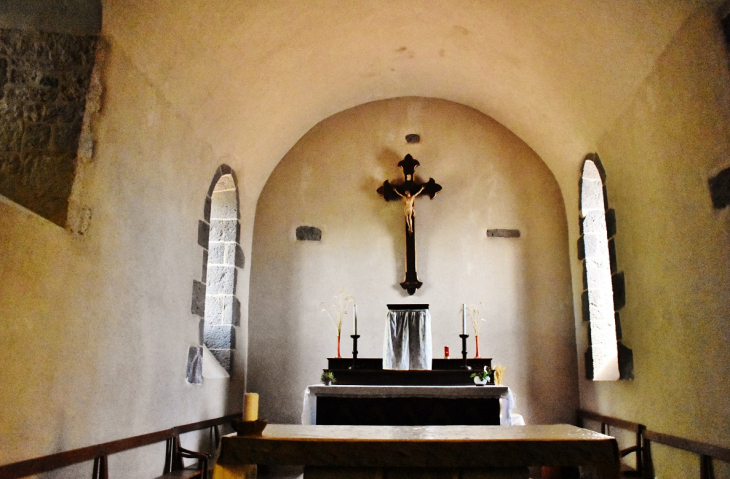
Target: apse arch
point(491, 179)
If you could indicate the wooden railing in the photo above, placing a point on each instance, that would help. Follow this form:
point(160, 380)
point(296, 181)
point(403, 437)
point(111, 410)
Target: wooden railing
point(644, 438)
point(100, 452)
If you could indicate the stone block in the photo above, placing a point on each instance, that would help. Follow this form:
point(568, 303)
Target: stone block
point(230, 254)
point(206, 208)
point(11, 134)
point(503, 233)
point(610, 223)
point(720, 189)
point(598, 270)
point(617, 321)
point(225, 182)
point(217, 252)
point(66, 137)
point(194, 373)
point(594, 221)
point(204, 273)
point(203, 233)
point(221, 309)
point(198, 301)
point(63, 113)
point(9, 167)
point(219, 337)
point(73, 86)
point(34, 112)
point(224, 357)
point(236, 318)
point(240, 259)
point(586, 310)
point(221, 279)
point(3, 76)
point(625, 362)
point(612, 255)
point(36, 136)
point(588, 356)
point(224, 205)
point(10, 112)
point(201, 331)
point(619, 290)
point(593, 247)
point(591, 196)
point(308, 233)
point(224, 230)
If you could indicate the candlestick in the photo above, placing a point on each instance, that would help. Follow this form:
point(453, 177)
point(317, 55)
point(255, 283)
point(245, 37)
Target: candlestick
point(250, 407)
point(354, 349)
point(355, 319)
point(464, 351)
point(463, 319)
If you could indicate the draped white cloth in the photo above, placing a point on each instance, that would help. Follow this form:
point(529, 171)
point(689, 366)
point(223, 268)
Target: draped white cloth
point(407, 343)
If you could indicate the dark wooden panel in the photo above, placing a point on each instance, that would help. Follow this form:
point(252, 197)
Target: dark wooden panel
point(412, 411)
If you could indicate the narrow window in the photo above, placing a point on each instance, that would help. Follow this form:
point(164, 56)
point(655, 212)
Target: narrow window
point(604, 292)
point(214, 297)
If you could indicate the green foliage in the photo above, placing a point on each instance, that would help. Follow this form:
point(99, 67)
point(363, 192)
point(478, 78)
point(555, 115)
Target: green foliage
point(328, 376)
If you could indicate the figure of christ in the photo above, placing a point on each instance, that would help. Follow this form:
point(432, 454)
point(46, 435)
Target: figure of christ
point(409, 207)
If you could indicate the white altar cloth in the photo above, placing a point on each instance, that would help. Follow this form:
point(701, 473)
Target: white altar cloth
point(407, 342)
point(507, 400)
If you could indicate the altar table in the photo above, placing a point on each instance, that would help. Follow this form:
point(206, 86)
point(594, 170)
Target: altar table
point(424, 405)
point(375, 452)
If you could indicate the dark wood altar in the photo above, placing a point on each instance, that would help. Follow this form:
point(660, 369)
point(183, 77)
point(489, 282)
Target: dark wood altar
point(369, 371)
point(367, 394)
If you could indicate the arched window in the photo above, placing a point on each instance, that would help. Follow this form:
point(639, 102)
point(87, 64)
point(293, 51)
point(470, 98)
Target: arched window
point(604, 293)
point(214, 297)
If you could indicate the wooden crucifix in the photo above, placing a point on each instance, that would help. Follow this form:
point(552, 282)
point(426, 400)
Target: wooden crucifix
point(408, 191)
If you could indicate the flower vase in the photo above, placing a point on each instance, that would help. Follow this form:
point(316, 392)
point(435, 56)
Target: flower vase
point(338, 345)
point(477, 341)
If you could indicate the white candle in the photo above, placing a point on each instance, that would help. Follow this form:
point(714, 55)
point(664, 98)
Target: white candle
point(355, 320)
point(463, 319)
point(250, 407)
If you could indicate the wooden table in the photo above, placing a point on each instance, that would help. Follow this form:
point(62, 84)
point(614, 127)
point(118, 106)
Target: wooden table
point(410, 451)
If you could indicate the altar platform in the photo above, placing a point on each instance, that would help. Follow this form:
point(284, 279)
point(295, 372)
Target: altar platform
point(378, 452)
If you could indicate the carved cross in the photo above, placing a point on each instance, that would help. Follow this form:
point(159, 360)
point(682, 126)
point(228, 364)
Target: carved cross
point(408, 191)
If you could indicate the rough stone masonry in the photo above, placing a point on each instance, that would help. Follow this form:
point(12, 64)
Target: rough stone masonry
point(44, 78)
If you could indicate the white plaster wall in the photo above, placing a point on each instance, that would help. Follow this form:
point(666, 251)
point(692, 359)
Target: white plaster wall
point(673, 247)
point(95, 330)
point(490, 179)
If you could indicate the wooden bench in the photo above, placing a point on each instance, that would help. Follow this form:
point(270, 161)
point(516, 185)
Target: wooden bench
point(99, 453)
point(606, 423)
point(706, 452)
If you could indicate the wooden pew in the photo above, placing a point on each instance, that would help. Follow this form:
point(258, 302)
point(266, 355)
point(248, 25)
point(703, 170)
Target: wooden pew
point(706, 452)
point(99, 453)
point(606, 423)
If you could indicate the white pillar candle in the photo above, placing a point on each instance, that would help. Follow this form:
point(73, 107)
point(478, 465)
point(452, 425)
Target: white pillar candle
point(250, 407)
point(463, 319)
point(355, 320)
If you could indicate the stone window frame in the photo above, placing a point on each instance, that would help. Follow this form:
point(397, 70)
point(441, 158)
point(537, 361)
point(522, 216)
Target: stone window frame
point(604, 287)
point(220, 238)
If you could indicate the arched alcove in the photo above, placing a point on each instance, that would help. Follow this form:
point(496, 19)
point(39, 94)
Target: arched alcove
point(327, 183)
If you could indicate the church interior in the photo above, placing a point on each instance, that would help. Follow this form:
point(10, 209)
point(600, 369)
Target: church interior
point(183, 184)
